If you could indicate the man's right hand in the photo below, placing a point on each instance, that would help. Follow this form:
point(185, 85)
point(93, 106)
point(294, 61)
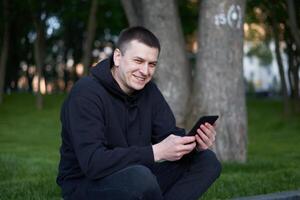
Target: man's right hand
point(173, 148)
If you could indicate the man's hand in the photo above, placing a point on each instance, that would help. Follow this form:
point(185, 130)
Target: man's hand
point(205, 136)
point(173, 147)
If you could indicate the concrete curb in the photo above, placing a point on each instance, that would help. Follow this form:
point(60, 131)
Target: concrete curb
point(289, 195)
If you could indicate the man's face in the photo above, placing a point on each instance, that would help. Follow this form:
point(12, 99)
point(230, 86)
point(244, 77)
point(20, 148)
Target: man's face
point(134, 67)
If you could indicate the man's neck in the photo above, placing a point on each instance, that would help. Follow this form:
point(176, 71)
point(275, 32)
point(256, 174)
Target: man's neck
point(115, 76)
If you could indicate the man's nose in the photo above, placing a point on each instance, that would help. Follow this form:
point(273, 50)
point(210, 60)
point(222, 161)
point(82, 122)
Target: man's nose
point(145, 69)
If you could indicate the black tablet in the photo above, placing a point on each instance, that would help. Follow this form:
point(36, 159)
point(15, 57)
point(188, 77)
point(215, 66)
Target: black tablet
point(211, 119)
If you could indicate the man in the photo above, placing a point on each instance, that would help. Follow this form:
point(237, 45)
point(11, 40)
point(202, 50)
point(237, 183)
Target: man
point(117, 129)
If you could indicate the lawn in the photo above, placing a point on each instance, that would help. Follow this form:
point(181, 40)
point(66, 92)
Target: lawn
point(30, 139)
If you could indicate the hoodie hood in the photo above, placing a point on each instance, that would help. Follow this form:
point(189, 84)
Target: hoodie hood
point(102, 73)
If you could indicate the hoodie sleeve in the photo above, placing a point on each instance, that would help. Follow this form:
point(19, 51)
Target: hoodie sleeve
point(163, 120)
point(86, 131)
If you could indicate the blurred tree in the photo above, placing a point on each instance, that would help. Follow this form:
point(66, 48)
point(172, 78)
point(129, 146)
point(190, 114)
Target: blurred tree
point(5, 45)
point(279, 22)
point(106, 19)
point(294, 53)
point(218, 82)
point(64, 24)
point(134, 12)
point(21, 44)
point(275, 28)
point(218, 86)
point(39, 16)
point(292, 21)
point(89, 36)
point(73, 16)
point(162, 18)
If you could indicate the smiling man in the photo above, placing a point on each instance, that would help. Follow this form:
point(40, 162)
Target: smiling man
point(135, 67)
point(119, 136)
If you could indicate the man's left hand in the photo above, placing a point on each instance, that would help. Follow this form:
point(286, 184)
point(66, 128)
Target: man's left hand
point(205, 136)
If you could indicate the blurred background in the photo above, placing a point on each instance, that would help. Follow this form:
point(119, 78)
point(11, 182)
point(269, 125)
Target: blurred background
point(236, 58)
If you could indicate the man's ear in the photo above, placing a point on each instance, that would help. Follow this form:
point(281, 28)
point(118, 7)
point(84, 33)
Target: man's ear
point(117, 57)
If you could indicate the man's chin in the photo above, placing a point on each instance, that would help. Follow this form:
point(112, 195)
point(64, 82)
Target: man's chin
point(139, 86)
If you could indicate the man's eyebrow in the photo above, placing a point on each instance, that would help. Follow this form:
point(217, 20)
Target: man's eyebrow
point(153, 62)
point(137, 57)
point(140, 58)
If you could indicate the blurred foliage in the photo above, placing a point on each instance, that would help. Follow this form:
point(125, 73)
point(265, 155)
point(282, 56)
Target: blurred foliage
point(67, 39)
point(260, 31)
point(189, 13)
point(262, 52)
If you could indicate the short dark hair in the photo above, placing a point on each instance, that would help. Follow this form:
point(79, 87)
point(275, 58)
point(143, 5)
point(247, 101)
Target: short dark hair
point(138, 33)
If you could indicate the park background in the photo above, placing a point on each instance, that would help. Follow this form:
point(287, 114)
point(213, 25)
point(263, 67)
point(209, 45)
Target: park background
point(236, 58)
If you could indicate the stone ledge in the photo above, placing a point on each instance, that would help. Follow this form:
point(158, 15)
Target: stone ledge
point(289, 195)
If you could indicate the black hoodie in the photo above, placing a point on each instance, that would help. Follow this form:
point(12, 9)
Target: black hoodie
point(105, 130)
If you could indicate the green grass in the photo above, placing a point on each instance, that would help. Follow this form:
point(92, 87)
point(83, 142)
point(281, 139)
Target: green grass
point(29, 143)
point(273, 163)
point(30, 139)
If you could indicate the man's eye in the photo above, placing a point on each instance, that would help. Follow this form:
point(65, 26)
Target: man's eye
point(138, 61)
point(152, 65)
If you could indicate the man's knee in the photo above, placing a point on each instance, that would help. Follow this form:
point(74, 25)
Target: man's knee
point(210, 162)
point(133, 182)
point(144, 182)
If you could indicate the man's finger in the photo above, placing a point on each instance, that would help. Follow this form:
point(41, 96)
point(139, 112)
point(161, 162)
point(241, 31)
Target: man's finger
point(208, 125)
point(188, 147)
point(187, 139)
point(205, 129)
point(211, 128)
point(210, 133)
point(201, 143)
point(204, 137)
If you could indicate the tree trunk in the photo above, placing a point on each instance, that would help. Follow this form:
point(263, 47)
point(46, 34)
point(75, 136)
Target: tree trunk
point(290, 56)
point(39, 56)
point(134, 12)
point(296, 100)
point(4, 49)
point(90, 35)
point(284, 89)
point(173, 72)
point(293, 75)
point(292, 22)
point(218, 86)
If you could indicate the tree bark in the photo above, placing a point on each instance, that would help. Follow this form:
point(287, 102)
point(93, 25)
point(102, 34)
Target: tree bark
point(173, 72)
point(293, 75)
point(134, 12)
point(284, 89)
point(292, 69)
point(294, 29)
point(296, 100)
point(39, 56)
point(218, 86)
point(4, 49)
point(90, 36)
point(292, 21)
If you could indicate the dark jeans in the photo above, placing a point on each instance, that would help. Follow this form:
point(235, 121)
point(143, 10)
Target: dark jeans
point(187, 178)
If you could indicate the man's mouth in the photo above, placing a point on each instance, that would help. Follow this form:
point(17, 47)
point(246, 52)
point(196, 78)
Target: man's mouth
point(139, 78)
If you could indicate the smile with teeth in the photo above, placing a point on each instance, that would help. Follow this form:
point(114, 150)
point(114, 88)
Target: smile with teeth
point(139, 78)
